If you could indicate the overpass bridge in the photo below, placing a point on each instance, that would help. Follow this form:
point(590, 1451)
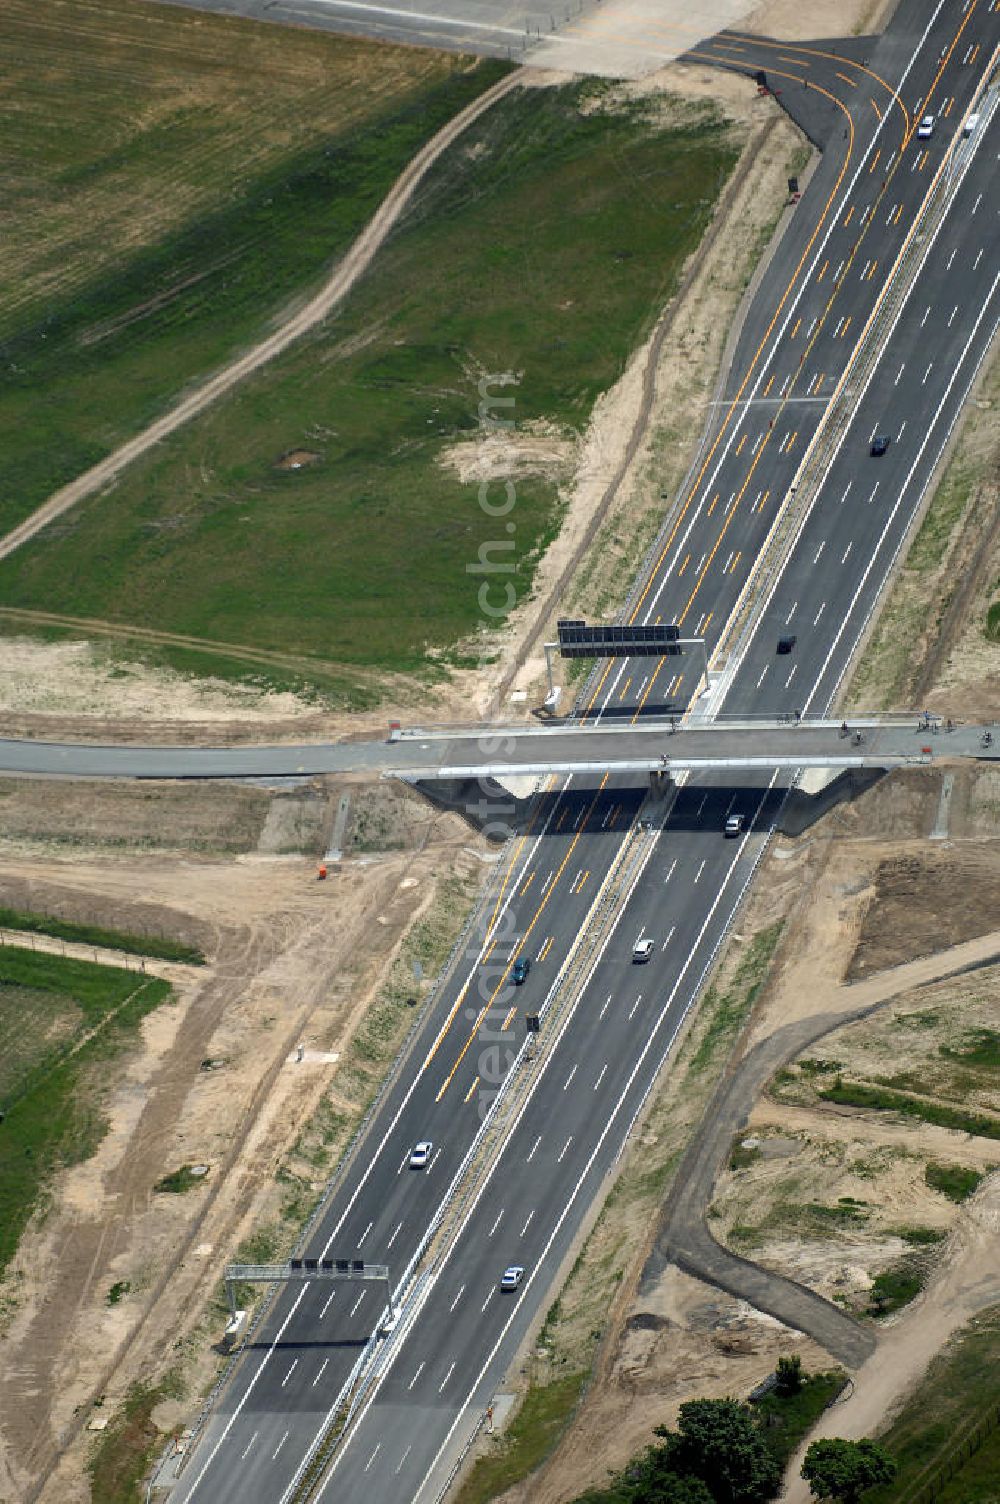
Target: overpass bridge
point(654, 745)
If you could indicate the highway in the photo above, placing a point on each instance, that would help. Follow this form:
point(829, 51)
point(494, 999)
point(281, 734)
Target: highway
point(595, 1068)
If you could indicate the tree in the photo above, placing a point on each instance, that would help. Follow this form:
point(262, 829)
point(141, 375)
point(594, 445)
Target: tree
point(844, 1470)
point(718, 1442)
point(788, 1376)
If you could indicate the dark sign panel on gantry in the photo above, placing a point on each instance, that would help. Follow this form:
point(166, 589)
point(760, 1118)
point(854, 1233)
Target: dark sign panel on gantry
point(577, 640)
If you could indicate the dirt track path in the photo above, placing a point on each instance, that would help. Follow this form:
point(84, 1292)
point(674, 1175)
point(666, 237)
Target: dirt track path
point(968, 1281)
point(684, 1237)
point(342, 279)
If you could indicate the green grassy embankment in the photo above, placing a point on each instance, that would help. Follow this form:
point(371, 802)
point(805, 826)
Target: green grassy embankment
point(62, 1023)
point(161, 947)
point(541, 247)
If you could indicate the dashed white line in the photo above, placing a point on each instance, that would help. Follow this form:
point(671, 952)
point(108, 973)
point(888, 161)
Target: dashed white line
point(850, 483)
point(819, 551)
point(371, 1459)
point(599, 1017)
point(899, 374)
point(819, 613)
point(399, 1228)
point(326, 1304)
point(281, 1443)
point(978, 259)
point(634, 1007)
point(249, 1445)
point(670, 873)
point(288, 1375)
point(601, 1076)
point(953, 313)
point(527, 1224)
point(951, 259)
point(399, 1466)
point(420, 1368)
point(872, 496)
point(496, 1224)
point(927, 373)
point(847, 551)
point(791, 676)
point(446, 1378)
point(365, 1233)
point(977, 203)
point(761, 679)
point(700, 871)
point(538, 1140)
point(791, 613)
point(564, 1149)
point(458, 1297)
point(569, 1078)
point(927, 314)
point(358, 1301)
point(320, 1374)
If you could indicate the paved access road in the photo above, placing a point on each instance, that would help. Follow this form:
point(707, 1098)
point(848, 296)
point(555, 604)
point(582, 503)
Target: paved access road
point(446, 1358)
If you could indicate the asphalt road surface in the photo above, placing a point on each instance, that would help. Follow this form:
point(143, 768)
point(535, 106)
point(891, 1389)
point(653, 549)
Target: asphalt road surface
point(459, 1334)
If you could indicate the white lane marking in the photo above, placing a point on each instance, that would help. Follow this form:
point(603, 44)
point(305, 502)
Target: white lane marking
point(569, 1078)
point(670, 936)
point(899, 374)
point(371, 1459)
point(977, 203)
point(462, 1409)
point(872, 496)
point(399, 1228)
point(951, 259)
point(702, 806)
point(635, 1005)
point(538, 1140)
point(601, 1076)
point(791, 676)
point(551, 875)
point(762, 673)
point(564, 1148)
point(670, 873)
point(527, 1224)
point(420, 1368)
point(485, 1303)
point(819, 551)
point(399, 1466)
point(403, 1162)
point(819, 613)
point(320, 1374)
point(900, 433)
point(929, 428)
point(360, 1298)
point(927, 314)
point(458, 1297)
point(812, 326)
point(891, 213)
point(288, 1375)
point(850, 483)
point(446, 1378)
point(847, 551)
point(281, 1443)
point(979, 258)
point(700, 871)
point(365, 1233)
point(791, 613)
point(927, 373)
point(599, 1017)
point(953, 313)
point(496, 1224)
point(249, 1445)
point(326, 1304)
point(840, 268)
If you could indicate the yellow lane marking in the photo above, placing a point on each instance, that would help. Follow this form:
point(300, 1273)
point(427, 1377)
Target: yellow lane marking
point(852, 81)
point(524, 940)
point(770, 382)
point(471, 1089)
point(822, 274)
point(849, 216)
point(527, 885)
point(795, 328)
point(874, 160)
point(625, 686)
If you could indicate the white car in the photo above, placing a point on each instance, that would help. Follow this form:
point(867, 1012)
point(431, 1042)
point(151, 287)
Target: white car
point(420, 1154)
point(511, 1277)
point(642, 950)
point(926, 128)
point(734, 825)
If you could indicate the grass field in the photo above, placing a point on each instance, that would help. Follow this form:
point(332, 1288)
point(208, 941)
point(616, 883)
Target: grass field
point(171, 180)
point(542, 247)
point(962, 1385)
point(61, 1023)
point(160, 946)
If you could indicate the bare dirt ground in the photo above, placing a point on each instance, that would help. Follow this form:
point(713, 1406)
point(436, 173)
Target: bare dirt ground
point(802, 20)
point(291, 961)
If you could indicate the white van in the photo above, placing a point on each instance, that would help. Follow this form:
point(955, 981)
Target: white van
point(971, 124)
